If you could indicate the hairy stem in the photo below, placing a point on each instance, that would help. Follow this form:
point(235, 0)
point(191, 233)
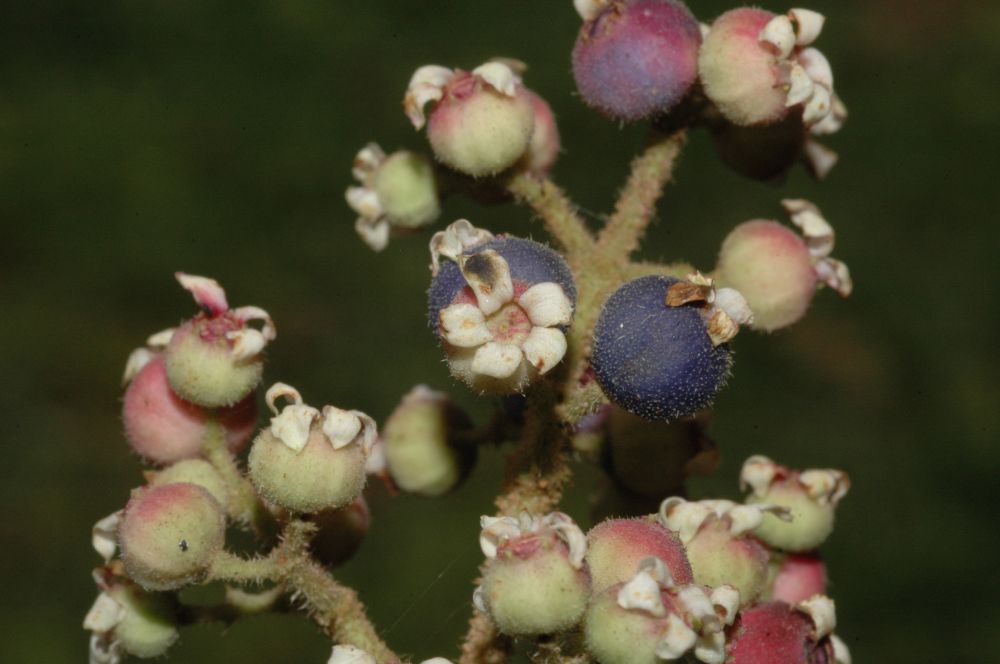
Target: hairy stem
point(556, 211)
point(243, 505)
point(637, 204)
point(483, 645)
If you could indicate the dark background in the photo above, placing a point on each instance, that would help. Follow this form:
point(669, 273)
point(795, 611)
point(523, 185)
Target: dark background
point(141, 138)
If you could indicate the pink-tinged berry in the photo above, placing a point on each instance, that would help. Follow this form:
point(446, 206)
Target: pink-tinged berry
point(480, 122)
point(499, 306)
point(655, 458)
point(616, 547)
point(796, 577)
point(396, 192)
point(535, 581)
point(715, 534)
point(194, 471)
point(421, 443)
point(778, 633)
point(216, 358)
point(756, 66)
point(810, 497)
point(169, 535)
point(543, 150)
point(308, 460)
point(660, 348)
point(778, 270)
point(634, 59)
point(125, 618)
point(340, 532)
point(652, 618)
point(163, 428)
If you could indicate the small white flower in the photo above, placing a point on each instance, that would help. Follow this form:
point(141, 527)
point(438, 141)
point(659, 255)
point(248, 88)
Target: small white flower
point(428, 84)
point(819, 237)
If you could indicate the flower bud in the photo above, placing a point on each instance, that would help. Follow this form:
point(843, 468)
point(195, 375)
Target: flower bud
point(480, 122)
point(499, 306)
point(796, 577)
point(654, 458)
point(810, 496)
point(660, 348)
point(778, 271)
point(535, 582)
point(198, 472)
point(164, 428)
point(421, 449)
point(216, 359)
point(776, 633)
point(651, 618)
point(715, 534)
point(308, 460)
point(616, 547)
point(169, 535)
point(398, 191)
point(340, 532)
point(756, 66)
point(636, 58)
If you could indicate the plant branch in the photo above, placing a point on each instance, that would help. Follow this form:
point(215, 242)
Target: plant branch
point(637, 204)
point(243, 505)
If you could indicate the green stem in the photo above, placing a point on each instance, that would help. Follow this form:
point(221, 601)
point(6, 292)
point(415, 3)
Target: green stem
point(244, 507)
point(637, 204)
point(556, 211)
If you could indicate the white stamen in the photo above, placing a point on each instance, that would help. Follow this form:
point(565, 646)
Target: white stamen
point(454, 240)
point(809, 25)
point(822, 612)
point(488, 274)
point(547, 305)
point(496, 359)
point(207, 292)
point(780, 34)
point(104, 535)
point(464, 325)
point(373, 233)
point(499, 76)
point(426, 85)
point(544, 348)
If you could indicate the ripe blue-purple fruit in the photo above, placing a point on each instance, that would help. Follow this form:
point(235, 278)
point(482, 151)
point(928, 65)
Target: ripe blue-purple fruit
point(637, 58)
point(654, 360)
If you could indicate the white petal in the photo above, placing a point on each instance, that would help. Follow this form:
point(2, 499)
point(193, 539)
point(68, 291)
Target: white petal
point(368, 159)
point(818, 107)
point(816, 66)
point(826, 486)
point(642, 593)
point(340, 426)
point(246, 343)
point(570, 533)
point(496, 360)
point(436, 660)
point(711, 648)
point(544, 348)
point(734, 304)
point(293, 424)
point(251, 313)
point(744, 518)
point(369, 431)
point(818, 158)
point(818, 233)
point(547, 305)
point(376, 462)
point(835, 274)
point(488, 274)
point(800, 86)
point(454, 240)
point(822, 612)
point(207, 292)
point(589, 9)
point(780, 34)
point(841, 655)
point(499, 76)
point(683, 517)
point(159, 340)
point(495, 530)
point(726, 600)
point(479, 600)
point(364, 201)
point(427, 84)
point(698, 606)
point(104, 535)
point(104, 650)
point(137, 359)
point(350, 655)
point(464, 325)
point(373, 233)
point(810, 24)
point(677, 639)
point(757, 474)
point(104, 614)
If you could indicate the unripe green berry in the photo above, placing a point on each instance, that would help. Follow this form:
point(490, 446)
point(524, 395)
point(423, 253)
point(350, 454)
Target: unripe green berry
point(619, 636)
point(718, 558)
point(148, 626)
point(195, 471)
point(811, 523)
point(616, 547)
point(170, 534)
point(406, 189)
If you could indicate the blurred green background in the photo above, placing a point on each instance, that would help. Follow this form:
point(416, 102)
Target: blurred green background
point(141, 138)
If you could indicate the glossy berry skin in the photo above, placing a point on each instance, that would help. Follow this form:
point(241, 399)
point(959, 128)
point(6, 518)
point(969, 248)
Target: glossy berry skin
point(653, 360)
point(530, 263)
point(775, 633)
point(637, 58)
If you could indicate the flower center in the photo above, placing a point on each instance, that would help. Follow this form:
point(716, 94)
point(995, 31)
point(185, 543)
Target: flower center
point(509, 325)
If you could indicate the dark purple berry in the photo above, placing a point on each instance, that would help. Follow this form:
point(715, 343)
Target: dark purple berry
point(637, 58)
point(653, 360)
